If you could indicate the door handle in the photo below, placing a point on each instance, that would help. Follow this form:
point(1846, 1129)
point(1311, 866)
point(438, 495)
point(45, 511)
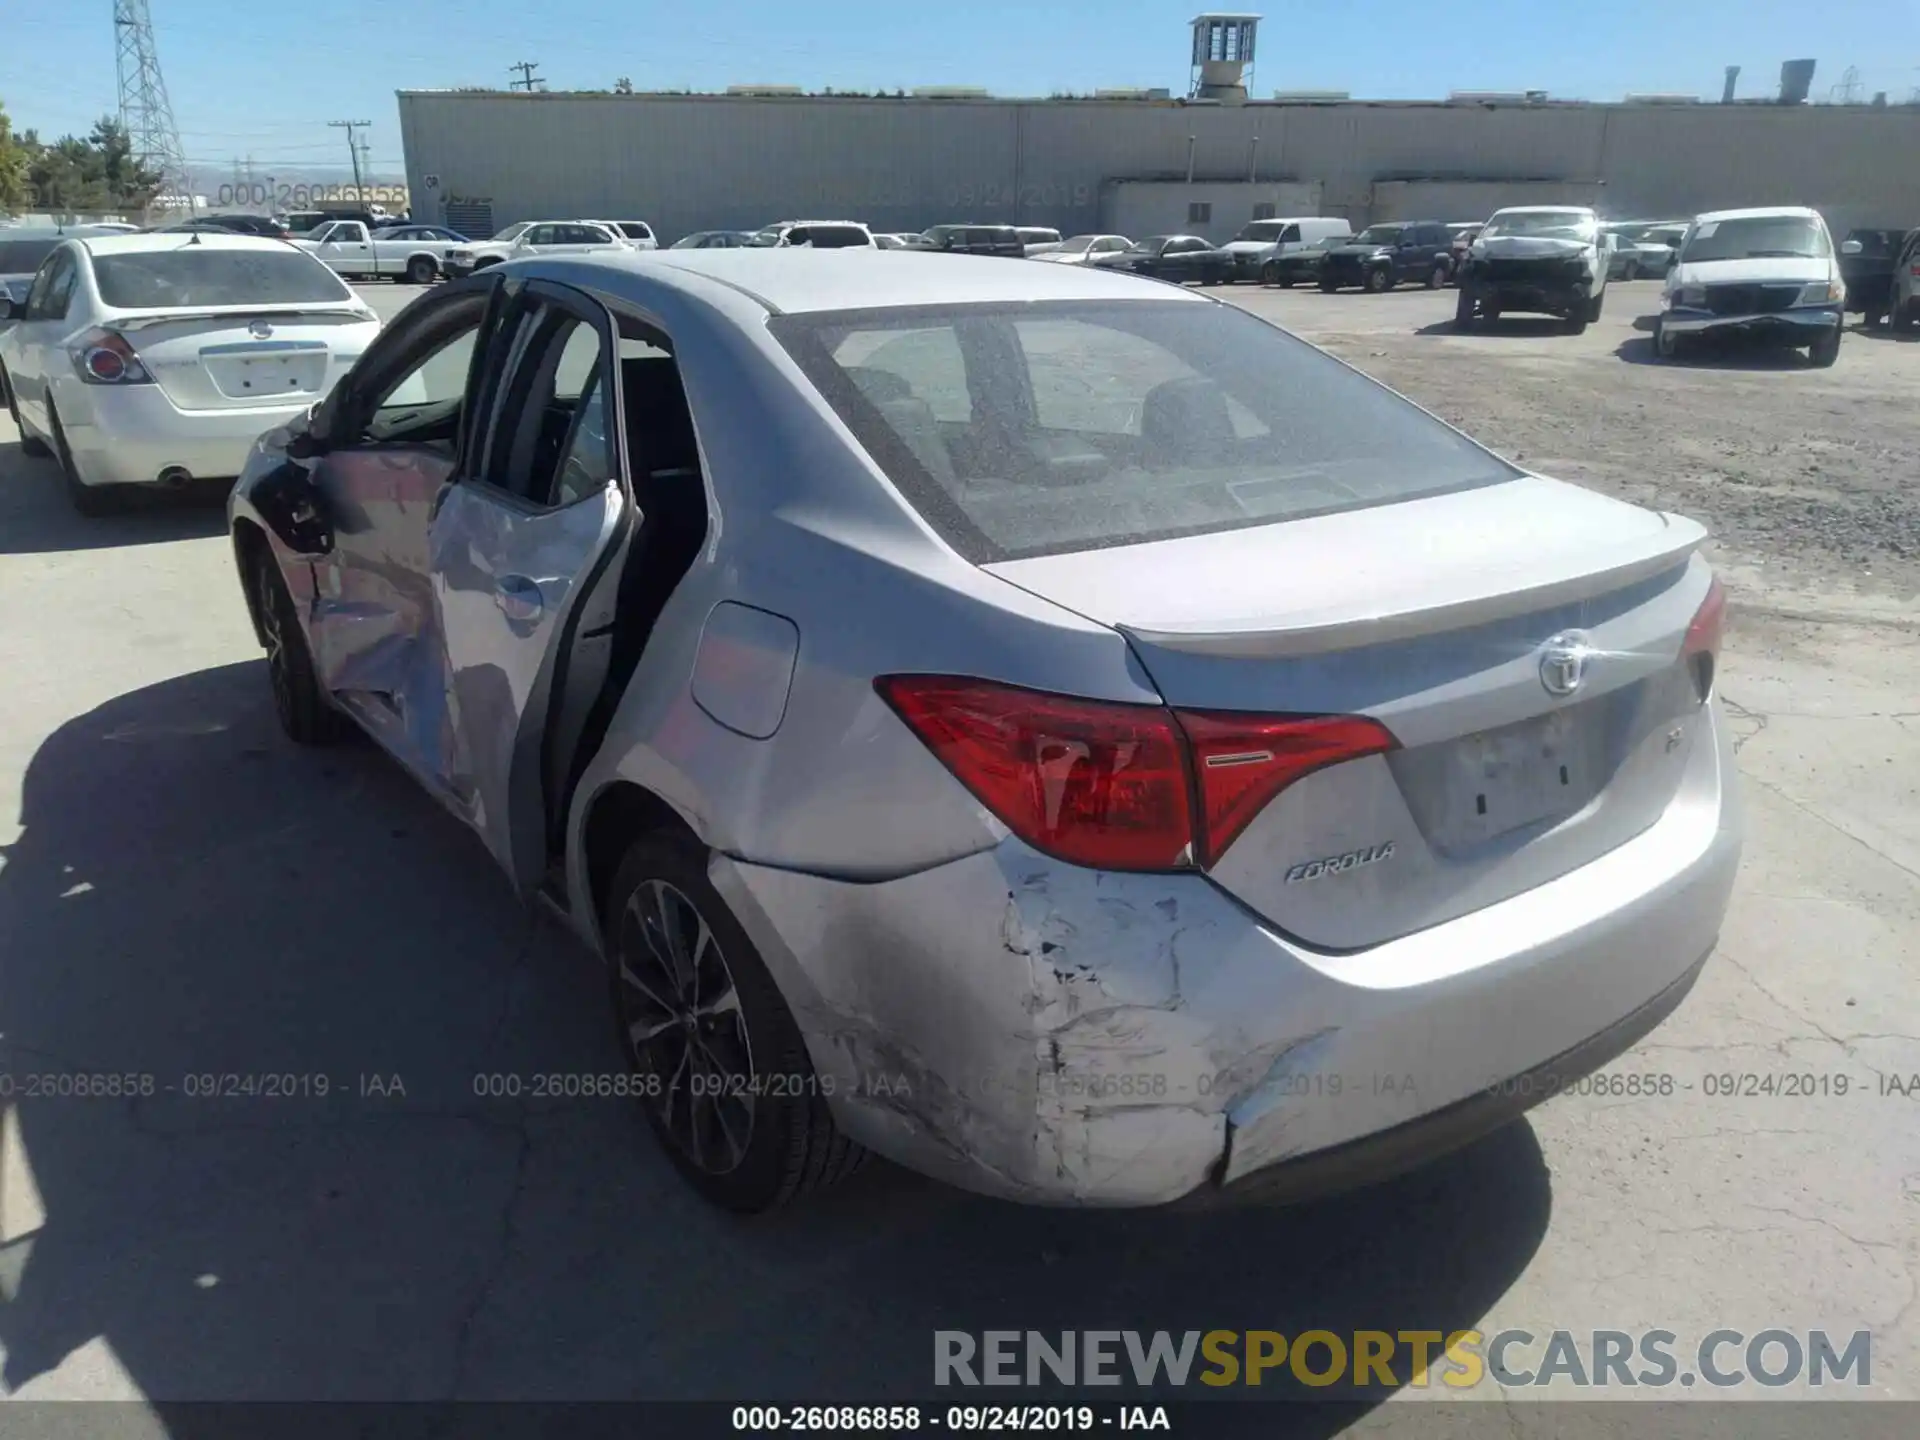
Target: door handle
point(519, 598)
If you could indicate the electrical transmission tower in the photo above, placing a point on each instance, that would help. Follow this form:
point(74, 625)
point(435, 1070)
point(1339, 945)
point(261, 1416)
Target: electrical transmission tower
point(528, 81)
point(145, 112)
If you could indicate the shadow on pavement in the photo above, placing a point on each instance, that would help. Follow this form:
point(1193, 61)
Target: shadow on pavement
point(1729, 354)
point(194, 905)
point(1507, 327)
point(35, 517)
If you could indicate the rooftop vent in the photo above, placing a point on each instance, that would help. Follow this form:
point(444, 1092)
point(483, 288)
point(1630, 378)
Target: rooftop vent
point(1222, 55)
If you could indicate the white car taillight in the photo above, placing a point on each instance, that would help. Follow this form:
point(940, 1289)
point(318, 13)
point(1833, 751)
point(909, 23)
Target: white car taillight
point(103, 357)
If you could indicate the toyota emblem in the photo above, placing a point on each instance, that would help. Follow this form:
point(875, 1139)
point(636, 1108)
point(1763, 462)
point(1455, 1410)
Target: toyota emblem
point(259, 329)
point(1563, 662)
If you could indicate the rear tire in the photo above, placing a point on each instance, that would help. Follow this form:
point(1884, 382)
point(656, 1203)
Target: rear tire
point(92, 501)
point(1437, 277)
point(1270, 274)
point(1666, 344)
point(298, 701)
point(1900, 317)
point(422, 271)
point(1824, 351)
point(1327, 287)
point(690, 997)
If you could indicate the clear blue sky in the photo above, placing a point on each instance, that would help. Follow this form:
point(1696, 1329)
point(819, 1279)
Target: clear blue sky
point(263, 80)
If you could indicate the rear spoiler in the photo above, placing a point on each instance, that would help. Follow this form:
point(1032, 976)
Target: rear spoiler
point(345, 310)
point(1381, 619)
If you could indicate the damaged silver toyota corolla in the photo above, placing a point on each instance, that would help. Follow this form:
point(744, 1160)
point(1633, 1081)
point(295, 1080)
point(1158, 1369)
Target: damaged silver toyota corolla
point(1043, 726)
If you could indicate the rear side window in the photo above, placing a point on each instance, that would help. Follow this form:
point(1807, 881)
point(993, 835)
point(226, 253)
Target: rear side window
point(1066, 426)
point(196, 275)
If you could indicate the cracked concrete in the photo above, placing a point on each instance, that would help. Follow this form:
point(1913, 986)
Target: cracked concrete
point(183, 894)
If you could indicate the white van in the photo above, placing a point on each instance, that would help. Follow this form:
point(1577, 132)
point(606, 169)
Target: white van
point(1262, 240)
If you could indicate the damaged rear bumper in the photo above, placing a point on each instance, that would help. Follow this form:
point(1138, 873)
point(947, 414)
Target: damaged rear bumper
point(1026, 1028)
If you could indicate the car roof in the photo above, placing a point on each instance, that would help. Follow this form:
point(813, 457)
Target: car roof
point(1544, 210)
point(181, 240)
point(800, 281)
point(1761, 212)
point(52, 232)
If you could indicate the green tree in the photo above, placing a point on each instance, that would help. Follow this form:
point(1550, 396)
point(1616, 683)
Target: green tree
point(73, 174)
point(14, 193)
point(130, 185)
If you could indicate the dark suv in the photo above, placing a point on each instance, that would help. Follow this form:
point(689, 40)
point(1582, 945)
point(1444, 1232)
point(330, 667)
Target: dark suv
point(978, 240)
point(1381, 256)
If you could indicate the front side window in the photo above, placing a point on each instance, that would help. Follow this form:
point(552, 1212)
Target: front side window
point(1759, 237)
point(1381, 235)
point(1264, 231)
point(543, 235)
point(439, 378)
point(1062, 426)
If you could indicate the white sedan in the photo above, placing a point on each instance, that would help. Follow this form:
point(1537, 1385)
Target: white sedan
point(543, 237)
point(159, 359)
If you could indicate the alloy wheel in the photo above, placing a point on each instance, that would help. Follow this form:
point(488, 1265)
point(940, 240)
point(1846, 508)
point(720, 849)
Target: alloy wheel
point(680, 1013)
point(273, 630)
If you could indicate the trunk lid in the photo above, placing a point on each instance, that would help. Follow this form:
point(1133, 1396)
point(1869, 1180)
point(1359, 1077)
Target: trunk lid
point(1433, 617)
point(251, 358)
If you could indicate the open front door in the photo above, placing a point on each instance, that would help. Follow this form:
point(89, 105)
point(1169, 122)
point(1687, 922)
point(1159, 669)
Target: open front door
point(524, 556)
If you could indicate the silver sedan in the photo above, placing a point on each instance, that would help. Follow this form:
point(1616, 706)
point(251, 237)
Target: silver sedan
point(1054, 730)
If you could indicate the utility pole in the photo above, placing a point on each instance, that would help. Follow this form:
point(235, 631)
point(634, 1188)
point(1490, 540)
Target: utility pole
point(527, 78)
point(354, 150)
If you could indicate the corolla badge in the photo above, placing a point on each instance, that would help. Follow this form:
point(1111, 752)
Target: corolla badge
point(1340, 864)
point(259, 329)
point(1563, 662)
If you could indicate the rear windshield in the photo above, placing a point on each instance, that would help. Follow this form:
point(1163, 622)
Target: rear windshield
point(198, 275)
point(23, 257)
point(635, 230)
point(1054, 427)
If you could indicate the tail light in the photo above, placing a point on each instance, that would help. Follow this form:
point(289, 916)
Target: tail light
point(1114, 786)
point(1701, 649)
point(103, 357)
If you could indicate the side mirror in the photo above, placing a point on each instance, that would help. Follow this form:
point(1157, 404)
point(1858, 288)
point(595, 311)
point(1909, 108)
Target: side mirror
point(1851, 247)
point(9, 308)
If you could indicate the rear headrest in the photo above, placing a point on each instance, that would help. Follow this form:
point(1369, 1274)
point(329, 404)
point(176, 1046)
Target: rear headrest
point(878, 385)
point(658, 421)
point(1187, 419)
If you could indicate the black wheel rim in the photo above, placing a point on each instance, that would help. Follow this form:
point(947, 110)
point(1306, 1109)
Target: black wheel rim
point(680, 1014)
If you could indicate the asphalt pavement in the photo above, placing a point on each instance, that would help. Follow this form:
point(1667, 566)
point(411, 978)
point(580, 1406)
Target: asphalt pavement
point(185, 897)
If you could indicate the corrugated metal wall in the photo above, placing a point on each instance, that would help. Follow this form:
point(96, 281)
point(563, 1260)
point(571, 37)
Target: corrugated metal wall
point(702, 162)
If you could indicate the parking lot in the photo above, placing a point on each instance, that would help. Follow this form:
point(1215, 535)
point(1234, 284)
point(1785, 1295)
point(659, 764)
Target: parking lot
point(185, 894)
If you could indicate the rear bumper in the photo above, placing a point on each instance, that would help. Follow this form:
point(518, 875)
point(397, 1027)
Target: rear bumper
point(1060, 1036)
point(1801, 325)
point(129, 435)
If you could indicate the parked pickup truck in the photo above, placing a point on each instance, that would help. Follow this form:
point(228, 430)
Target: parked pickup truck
point(414, 253)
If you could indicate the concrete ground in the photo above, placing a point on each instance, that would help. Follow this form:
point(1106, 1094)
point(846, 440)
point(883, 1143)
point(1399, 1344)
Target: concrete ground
point(185, 894)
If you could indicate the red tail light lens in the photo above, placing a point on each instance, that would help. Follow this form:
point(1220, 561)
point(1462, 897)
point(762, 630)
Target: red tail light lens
point(1701, 649)
point(1113, 786)
point(104, 357)
point(1092, 782)
point(1242, 761)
